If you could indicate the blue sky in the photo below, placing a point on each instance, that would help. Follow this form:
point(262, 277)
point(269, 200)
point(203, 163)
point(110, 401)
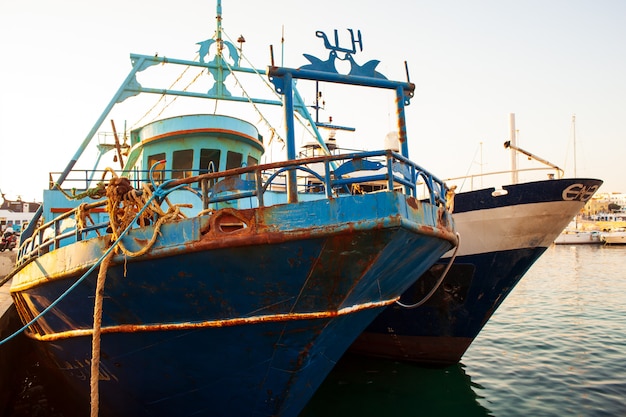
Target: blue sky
point(473, 63)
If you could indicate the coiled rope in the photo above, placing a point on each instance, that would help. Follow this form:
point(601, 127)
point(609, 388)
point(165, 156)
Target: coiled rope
point(123, 202)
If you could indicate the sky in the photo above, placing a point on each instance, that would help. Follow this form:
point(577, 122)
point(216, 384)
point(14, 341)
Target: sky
point(473, 63)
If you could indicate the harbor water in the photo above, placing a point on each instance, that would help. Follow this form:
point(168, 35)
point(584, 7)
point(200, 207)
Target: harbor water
point(556, 347)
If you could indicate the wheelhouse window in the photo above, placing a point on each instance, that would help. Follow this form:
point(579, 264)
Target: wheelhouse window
point(252, 161)
point(233, 160)
point(158, 174)
point(182, 164)
point(209, 160)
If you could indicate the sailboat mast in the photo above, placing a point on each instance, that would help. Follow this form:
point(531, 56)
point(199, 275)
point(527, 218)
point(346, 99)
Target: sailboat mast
point(574, 137)
point(513, 141)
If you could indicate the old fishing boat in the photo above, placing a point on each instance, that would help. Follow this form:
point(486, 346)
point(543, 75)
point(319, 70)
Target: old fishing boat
point(503, 232)
point(195, 280)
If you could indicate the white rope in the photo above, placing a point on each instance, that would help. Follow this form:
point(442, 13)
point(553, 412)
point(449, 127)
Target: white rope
point(443, 275)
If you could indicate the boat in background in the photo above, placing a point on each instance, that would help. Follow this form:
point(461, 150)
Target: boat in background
point(197, 281)
point(614, 237)
point(503, 231)
point(578, 237)
point(574, 234)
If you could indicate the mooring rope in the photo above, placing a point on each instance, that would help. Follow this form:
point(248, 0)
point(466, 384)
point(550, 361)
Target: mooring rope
point(119, 207)
point(96, 193)
point(443, 275)
point(95, 337)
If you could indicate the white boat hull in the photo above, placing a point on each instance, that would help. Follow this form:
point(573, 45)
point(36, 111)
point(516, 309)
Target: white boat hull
point(614, 238)
point(578, 237)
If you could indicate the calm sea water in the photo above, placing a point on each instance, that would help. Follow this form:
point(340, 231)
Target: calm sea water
point(556, 347)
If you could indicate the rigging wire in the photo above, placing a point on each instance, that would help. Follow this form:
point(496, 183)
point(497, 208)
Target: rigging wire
point(470, 167)
point(271, 88)
point(274, 133)
point(162, 97)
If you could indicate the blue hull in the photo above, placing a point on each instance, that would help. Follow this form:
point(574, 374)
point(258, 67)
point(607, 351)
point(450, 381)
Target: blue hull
point(501, 238)
point(223, 325)
point(195, 372)
point(238, 278)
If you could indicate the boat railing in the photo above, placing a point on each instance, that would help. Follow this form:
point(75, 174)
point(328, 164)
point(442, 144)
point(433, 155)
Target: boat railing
point(51, 234)
point(326, 176)
point(496, 178)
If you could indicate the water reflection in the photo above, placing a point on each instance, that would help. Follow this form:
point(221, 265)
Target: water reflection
point(356, 386)
point(378, 387)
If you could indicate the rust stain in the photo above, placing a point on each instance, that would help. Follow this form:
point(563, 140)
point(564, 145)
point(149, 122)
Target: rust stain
point(239, 321)
point(230, 221)
point(141, 242)
point(413, 203)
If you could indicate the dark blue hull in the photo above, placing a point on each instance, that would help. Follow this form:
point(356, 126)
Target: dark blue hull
point(441, 330)
point(501, 237)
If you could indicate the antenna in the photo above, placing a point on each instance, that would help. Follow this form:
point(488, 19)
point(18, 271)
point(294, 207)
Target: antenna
point(318, 99)
point(406, 69)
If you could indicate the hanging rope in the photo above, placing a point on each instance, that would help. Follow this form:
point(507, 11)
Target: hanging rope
point(95, 337)
point(175, 97)
point(443, 275)
point(122, 205)
point(82, 214)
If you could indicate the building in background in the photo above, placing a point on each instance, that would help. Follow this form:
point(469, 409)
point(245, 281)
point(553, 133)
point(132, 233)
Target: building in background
point(609, 207)
point(16, 213)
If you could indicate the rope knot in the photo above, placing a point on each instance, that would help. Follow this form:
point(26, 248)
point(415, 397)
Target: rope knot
point(119, 187)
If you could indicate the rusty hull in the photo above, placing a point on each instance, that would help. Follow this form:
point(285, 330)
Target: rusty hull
point(274, 292)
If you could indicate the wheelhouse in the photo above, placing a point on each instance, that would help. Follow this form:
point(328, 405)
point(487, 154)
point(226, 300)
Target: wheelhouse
point(185, 146)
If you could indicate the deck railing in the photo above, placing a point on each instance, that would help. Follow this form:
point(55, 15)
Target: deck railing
point(497, 178)
point(354, 173)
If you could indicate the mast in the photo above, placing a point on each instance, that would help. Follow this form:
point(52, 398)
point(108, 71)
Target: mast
point(575, 176)
point(220, 46)
point(574, 138)
point(218, 32)
point(513, 141)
